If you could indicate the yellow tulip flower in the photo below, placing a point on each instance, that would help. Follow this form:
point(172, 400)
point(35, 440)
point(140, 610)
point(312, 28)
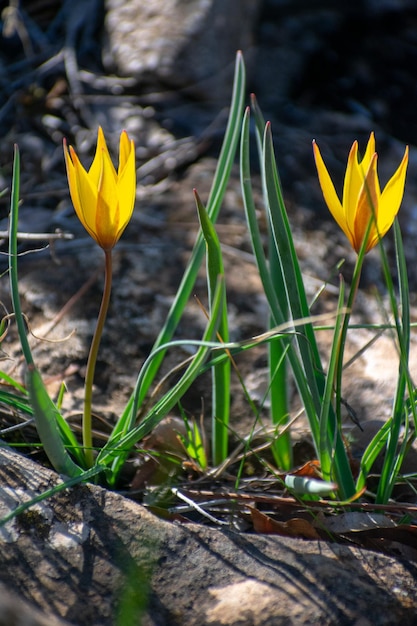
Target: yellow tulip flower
point(362, 197)
point(103, 199)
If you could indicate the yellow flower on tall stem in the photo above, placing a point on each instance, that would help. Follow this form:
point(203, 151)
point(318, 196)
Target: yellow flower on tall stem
point(103, 200)
point(365, 215)
point(363, 202)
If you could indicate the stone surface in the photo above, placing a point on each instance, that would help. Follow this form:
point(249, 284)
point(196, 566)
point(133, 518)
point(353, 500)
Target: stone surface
point(97, 559)
point(185, 44)
point(16, 612)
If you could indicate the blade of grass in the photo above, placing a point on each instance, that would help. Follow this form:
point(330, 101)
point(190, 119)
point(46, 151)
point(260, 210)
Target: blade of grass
point(220, 372)
point(277, 351)
point(119, 444)
point(218, 189)
point(46, 418)
point(13, 383)
point(296, 300)
point(281, 448)
point(15, 402)
point(298, 306)
point(267, 283)
point(193, 441)
point(394, 456)
point(372, 451)
point(45, 412)
point(326, 414)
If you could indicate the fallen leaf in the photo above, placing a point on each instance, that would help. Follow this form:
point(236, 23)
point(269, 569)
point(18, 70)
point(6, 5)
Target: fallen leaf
point(310, 469)
point(295, 527)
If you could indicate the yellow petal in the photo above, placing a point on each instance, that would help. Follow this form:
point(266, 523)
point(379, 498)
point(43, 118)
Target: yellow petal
point(392, 196)
point(72, 179)
point(107, 218)
point(125, 148)
point(357, 172)
point(97, 164)
point(126, 190)
point(351, 189)
point(87, 195)
point(370, 149)
point(329, 192)
point(367, 208)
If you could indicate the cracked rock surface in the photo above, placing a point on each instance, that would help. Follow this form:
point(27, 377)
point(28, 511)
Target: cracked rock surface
point(84, 554)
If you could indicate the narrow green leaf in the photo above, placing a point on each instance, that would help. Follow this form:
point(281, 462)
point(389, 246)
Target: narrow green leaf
point(311, 375)
point(395, 452)
point(220, 372)
point(193, 441)
point(336, 353)
point(13, 383)
point(16, 402)
point(118, 447)
point(44, 410)
point(14, 217)
point(221, 178)
point(46, 415)
point(373, 450)
point(273, 295)
point(281, 449)
point(294, 295)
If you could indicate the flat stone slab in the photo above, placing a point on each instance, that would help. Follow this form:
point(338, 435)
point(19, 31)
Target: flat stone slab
point(91, 557)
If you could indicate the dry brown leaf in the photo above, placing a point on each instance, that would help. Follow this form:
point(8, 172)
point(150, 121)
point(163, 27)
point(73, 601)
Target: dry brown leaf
point(295, 527)
point(311, 469)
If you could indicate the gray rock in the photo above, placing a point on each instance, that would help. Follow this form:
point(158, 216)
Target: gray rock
point(16, 612)
point(186, 44)
point(97, 559)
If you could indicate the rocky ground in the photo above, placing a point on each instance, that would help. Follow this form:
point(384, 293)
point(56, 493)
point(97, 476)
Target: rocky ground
point(164, 73)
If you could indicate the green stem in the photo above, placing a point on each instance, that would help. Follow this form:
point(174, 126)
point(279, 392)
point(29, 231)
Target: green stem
point(92, 359)
point(345, 326)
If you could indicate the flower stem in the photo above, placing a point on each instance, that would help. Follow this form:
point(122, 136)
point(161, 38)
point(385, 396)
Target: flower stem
point(345, 326)
point(92, 359)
